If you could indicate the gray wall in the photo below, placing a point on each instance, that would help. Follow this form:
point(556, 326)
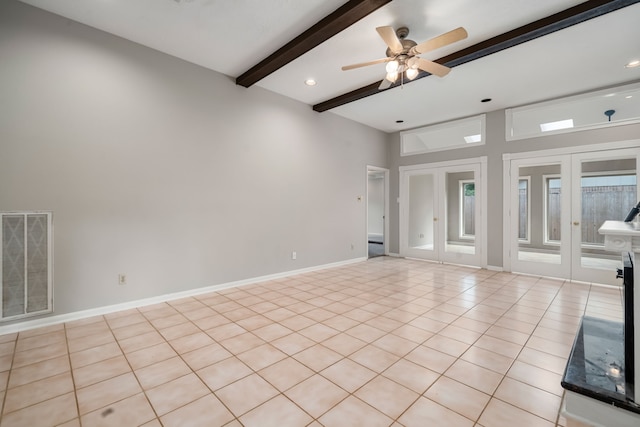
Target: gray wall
point(495, 147)
point(166, 171)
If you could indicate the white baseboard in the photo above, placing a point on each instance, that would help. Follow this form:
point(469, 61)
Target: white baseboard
point(394, 255)
point(494, 268)
point(99, 311)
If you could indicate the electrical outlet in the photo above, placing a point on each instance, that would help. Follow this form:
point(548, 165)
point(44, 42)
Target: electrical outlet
point(294, 255)
point(122, 279)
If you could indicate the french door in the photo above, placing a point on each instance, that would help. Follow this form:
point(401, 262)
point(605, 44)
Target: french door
point(441, 212)
point(557, 204)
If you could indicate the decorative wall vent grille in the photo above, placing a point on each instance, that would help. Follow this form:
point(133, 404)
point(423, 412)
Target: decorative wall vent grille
point(26, 267)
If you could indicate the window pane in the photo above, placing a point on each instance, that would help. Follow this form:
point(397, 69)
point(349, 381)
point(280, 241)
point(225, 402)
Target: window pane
point(553, 209)
point(523, 208)
point(421, 211)
point(539, 193)
point(455, 134)
point(575, 113)
point(468, 209)
point(604, 198)
point(460, 212)
point(608, 189)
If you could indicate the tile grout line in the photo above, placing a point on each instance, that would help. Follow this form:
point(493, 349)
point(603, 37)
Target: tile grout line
point(6, 392)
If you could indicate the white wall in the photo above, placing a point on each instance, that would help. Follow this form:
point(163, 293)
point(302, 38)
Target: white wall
point(166, 171)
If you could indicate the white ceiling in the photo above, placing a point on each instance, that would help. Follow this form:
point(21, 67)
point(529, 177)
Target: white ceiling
point(232, 36)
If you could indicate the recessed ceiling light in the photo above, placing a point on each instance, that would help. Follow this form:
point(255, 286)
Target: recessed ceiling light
point(628, 97)
point(486, 100)
point(310, 82)
point(633, 64)
point(399, 121)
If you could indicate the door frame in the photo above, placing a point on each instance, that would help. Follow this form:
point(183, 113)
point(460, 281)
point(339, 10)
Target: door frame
point(481, 217)
point(385, 230)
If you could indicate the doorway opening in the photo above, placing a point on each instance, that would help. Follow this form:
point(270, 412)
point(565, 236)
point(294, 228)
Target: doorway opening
point(377, 211)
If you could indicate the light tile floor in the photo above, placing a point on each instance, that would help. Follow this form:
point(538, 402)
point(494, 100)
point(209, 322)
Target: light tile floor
point(386, 342)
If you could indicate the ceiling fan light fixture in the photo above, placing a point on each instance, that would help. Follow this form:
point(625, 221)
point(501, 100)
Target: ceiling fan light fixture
point(392, 77)
point(402, 58)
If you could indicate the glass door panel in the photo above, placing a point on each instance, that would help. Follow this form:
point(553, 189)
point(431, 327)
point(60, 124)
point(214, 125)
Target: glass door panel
point(460, 212)
point(540, 211)
point(539, 214)
point(606, 188)
point(422, 208)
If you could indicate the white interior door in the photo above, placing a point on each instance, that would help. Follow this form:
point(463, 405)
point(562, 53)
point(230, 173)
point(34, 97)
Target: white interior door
point(557, 204)
point(441, 213)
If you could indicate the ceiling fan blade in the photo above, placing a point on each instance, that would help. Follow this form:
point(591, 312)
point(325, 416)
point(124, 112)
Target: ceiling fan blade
point(364, 64)
point(433, 67)
point(440, 41)
point(389, 36)
point(386, 84)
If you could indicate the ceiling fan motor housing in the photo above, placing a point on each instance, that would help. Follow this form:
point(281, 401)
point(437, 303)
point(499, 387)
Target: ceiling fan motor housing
point(406, 46)
point(402, 33)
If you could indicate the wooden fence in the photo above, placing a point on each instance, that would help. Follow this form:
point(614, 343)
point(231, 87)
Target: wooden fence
point(598, 205)
point(469, 217)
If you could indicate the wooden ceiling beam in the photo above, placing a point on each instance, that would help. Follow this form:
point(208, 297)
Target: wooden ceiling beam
point(568, 17)
point(340, 19)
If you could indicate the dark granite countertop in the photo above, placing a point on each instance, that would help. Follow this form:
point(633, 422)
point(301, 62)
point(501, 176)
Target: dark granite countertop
point(596, 365)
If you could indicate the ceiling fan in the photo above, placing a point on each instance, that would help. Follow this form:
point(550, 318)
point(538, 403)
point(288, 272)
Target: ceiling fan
point(402, 54)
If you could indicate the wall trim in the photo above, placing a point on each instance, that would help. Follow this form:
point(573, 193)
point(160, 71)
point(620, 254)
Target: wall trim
point(446, 163)
point(98, 311)
point(578, 149)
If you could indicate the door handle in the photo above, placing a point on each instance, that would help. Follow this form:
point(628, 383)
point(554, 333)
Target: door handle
point(576, 223)
point(435, 219)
